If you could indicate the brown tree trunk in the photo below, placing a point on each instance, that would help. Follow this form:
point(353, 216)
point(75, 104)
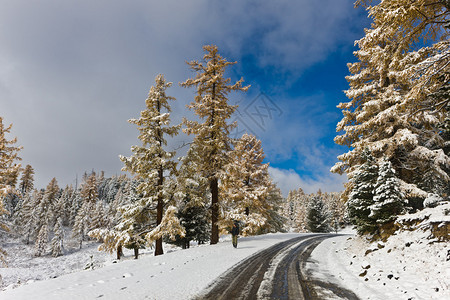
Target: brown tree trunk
point(136, 252)
point(214, 187)
point(119, 252)
point(159, 215)
point(159, 247)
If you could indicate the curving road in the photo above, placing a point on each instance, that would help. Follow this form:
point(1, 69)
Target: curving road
point(276, 273)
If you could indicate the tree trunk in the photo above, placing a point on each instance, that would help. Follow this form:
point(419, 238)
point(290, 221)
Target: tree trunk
point(214, 187)
point(159, 214)
point(119, 252)
point(136, 252)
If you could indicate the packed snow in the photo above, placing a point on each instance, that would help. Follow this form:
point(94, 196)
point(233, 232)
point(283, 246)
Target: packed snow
point(406, 267)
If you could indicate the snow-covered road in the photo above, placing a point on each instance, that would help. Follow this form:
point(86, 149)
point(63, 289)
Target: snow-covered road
point(276, 272)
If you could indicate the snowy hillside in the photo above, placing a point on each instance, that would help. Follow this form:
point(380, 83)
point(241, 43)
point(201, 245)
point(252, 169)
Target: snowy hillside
point(410, 265)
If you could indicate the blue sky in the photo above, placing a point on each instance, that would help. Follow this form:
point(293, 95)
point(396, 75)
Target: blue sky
point(73, 72)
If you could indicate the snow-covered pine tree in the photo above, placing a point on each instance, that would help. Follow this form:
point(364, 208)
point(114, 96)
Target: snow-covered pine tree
point(120, 231)
point(64, 204)
point(99, 217)
point(300, 204)
point(418, 53)
point(388, 201)
point(85, 215)
point(212, 136)
point(9, 171)
point(275, 222)
point(337, 209)
point(26, 217)
point(361, 196)
point(40, 246)
point(75, 206)
point(152, 164)
point(27, 180)
point(45, 216)
point(57, 243)
point(245, 185)
point(192, 195)
point(392, 79)
point(194, 220)
point(318, 215)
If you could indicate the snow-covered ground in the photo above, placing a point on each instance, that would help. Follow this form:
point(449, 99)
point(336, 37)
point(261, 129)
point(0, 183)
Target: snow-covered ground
point(179, 274)
point(406, 268)
point(409, 265)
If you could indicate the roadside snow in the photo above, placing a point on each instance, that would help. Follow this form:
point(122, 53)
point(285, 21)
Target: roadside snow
point(407, 266)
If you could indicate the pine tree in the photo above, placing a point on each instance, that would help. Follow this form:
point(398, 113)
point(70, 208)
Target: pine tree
point(336, 207)
point(84, 218)
point(212, 139)
point(57, 243)
point(275, 222)
point(152, 164)
point(318, 216)
point(124, 230)
point(45, 216)
point(8, 175)
point(193, 218)
point(75, 206)
point(388, 200)
point(417, 51)
point(27, 180)
point(26, 219)
point(390, 92)
point(40, 245)
point(246, 184)
point(65, 203)
point(362, 194)
point(99, 218)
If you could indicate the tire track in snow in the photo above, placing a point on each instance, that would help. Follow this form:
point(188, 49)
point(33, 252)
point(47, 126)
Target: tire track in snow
point(275, 273)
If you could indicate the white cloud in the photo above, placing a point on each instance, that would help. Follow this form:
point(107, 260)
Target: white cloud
point(288, 180)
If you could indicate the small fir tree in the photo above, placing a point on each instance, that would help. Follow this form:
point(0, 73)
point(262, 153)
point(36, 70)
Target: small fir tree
point(45, 216)
point(194, 221)
point(362, 193)
point(26, 217)
point(317, 216)
point(85, 215)
point(388, 200)
point(27, 180)
point(57, 243)
point(40, 245)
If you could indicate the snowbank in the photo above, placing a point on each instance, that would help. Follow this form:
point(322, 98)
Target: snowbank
point(408, 266)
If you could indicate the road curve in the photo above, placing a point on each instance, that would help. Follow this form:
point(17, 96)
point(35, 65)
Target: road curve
point(276, 272)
